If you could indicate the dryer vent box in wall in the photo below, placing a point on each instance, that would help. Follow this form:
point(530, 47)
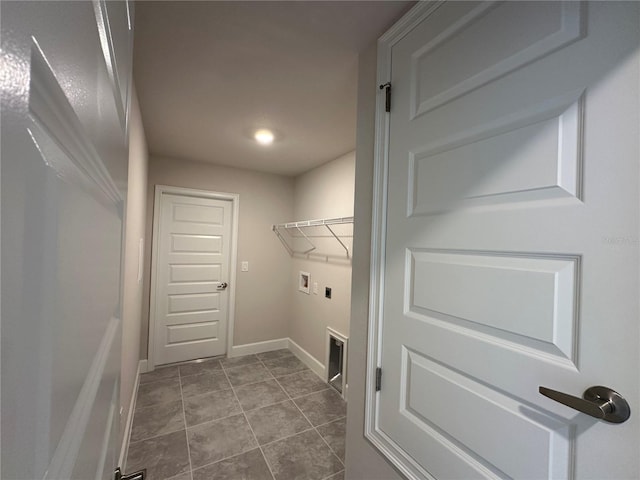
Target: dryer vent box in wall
point(336, 360)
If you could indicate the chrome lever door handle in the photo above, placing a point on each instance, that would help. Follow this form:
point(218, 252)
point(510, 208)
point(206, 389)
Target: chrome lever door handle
point(599, 402)
point(222, 286)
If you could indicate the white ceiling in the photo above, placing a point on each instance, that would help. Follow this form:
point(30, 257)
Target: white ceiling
point(209, 73)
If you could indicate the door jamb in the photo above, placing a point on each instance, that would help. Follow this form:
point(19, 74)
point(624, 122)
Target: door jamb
point(234, 198)
point(389, 448)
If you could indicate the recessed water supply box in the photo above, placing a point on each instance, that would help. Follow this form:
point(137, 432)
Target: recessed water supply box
point(336, 361)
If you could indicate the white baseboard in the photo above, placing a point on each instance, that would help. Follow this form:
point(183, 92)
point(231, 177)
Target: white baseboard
point(258, 347)
point(144, 366)
point(309, 360)
point(124, 449)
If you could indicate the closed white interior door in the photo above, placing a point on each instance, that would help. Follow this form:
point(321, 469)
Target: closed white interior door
point(64, 173)
point(511, 256)
point(192, 276)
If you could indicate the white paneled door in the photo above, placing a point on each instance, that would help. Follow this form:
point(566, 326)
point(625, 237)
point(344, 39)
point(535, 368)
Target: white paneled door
point(509, 240)
point(192, 264)
point(65, 82)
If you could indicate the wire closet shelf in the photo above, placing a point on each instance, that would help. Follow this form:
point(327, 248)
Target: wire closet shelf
point(299, 226)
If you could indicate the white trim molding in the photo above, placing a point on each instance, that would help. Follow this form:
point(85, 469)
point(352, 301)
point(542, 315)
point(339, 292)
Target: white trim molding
point(309, 360)
point(234, 198)
point(406, 465)
point(258, 347)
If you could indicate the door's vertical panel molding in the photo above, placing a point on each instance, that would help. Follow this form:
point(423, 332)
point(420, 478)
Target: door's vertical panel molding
point(114, 62)
point(555, 126)
point(66, 453)
point(104, 33)
point(571, 28)
point(56, 124)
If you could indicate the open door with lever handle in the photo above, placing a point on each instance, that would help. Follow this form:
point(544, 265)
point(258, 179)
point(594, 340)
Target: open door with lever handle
point(599, 402)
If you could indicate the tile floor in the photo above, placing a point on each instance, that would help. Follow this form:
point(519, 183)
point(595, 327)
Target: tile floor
point(258, 417)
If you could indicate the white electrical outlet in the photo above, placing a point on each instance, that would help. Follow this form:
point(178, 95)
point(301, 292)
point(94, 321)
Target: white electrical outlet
point(315, 288)
point(245, 266)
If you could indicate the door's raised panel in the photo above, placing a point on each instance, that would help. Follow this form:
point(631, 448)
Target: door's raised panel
point(487, 44)
point(532, 296)
point(523, 444)
point(202, 214)
point(530, 155)
point(193, 303)
point(182, 243)
point(194, 273)
point(191, 332)
point(187, 318)
point(184, 288)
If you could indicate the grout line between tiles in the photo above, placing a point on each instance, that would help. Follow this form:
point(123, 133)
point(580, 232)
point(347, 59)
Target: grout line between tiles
point(216, 419)
point(329, 477)
point(264, 457)
point(155, 436)
point(316, 430)
point(313, 426)
point(186, 432)
point(288, 436)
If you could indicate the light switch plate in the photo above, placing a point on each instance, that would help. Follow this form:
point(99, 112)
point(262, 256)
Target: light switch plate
point(315, 288)
point(245, 266)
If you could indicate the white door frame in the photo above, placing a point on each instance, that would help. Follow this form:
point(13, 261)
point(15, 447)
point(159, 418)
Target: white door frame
point(405, 464)
point(234, 198)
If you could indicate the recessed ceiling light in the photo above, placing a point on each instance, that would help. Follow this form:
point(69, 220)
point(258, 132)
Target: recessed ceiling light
point(264, 137)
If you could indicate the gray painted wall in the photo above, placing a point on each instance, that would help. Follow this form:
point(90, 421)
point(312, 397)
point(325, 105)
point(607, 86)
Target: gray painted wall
point(324, 192)
point(135, 219)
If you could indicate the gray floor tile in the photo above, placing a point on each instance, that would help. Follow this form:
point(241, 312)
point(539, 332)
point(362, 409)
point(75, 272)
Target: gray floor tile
point(217, 440)
point(206, 366)
point(260, 394)
point(159, 373)
point(302, 383)
point(203, 383)
point(210, 406)
point(277, 421)
point(303, 456)
point(247, 374)
point(161, 391)
point(157, 420)
point(164, 456)
point(334, 434)
point(283, 352)
point(239, 361)
point(284, 365)
point(322, 407)
point(246, 466)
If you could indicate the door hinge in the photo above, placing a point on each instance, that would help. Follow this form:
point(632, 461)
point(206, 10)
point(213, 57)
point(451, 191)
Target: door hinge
point(140, 475)
point(378, 379)
point(387, 96)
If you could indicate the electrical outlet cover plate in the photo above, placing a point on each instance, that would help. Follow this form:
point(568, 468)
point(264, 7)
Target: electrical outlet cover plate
point(327, 292)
